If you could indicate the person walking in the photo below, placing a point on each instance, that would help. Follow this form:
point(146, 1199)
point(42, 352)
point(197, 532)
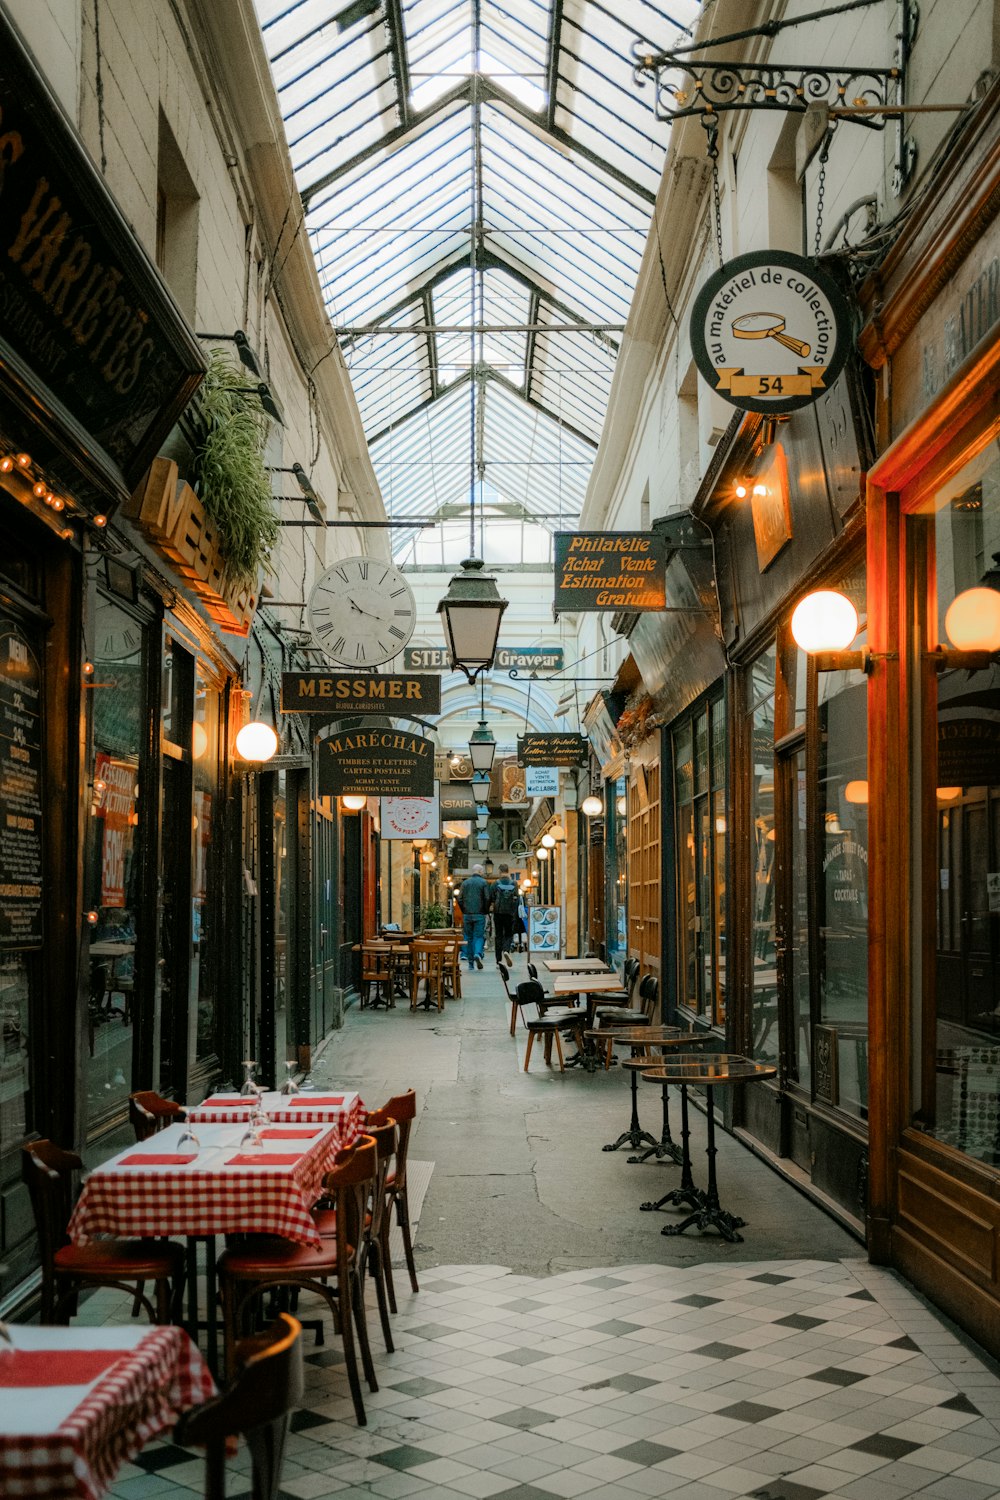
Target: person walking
point(474, 901)
point(505, 897)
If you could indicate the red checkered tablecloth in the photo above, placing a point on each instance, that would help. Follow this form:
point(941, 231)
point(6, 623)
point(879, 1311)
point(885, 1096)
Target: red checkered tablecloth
point(303, 1109)
point(208, 1195)
point(68, 1442)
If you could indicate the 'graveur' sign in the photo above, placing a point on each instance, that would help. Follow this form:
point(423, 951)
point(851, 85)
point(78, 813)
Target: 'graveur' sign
point(602, 570)
point(376, 763)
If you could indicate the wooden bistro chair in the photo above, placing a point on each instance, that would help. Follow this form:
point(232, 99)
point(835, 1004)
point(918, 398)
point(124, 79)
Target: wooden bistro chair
point(149, 1112)
point(428, 969)
point(614, 1017)
point(257, 1406)
point(452, 970)
point(549, 1023)
point(245, 1273)
point(376, 969)
point(403, 1109)
point(381, 1127)
point(67, 1269)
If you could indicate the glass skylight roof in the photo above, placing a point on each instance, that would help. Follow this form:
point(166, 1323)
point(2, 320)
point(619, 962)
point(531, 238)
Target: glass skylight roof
point(481, 165)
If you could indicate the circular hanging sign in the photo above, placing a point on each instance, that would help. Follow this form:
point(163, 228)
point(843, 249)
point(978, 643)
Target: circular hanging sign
point(770, 331)
point(517, 848)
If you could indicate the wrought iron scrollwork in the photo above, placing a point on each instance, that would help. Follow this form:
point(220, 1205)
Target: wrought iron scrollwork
point(717, 86)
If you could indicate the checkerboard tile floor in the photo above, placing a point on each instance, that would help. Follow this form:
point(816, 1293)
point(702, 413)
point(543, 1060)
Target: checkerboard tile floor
point(773, 1380)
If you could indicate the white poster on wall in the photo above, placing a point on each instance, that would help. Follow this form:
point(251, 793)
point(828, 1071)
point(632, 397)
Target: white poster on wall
point(411, 817)
point(543, 929)
point(541, 781)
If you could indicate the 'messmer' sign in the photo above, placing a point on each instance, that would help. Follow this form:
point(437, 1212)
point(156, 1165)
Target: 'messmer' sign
point(174, 520)
point(359, 692)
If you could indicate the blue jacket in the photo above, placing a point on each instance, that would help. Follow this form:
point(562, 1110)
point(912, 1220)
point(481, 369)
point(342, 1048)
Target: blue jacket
point(474, 897)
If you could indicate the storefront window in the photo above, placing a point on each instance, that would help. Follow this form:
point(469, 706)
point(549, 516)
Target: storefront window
point(700, 814)
point(112, 881)
point(205, 741)
point(954, 542)
point(763, 956)
point(840, 1038)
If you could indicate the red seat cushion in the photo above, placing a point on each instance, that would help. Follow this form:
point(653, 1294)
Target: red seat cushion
point(325, 1220)
point(150, 1259)
point(298, 1260)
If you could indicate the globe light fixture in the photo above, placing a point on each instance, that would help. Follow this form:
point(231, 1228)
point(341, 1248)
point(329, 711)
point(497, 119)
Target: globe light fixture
point(256, 741)
point(548, 842)
point(591, 807)
point(353, 802)
point(856, 792)
point(427, 857)
point(621, 806)
point(949, 793)
point(471, 612)
point(199, 740)
point(541, 852)
point(972, 621)
point(824, 621)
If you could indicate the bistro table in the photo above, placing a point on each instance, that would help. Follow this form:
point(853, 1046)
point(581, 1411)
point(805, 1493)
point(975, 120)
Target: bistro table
point(341, 1108)
point(641, 1038)
point(593, 986)
point(713, 1070)
point(577, 966)
point(76, 1403)
point(160, 1188)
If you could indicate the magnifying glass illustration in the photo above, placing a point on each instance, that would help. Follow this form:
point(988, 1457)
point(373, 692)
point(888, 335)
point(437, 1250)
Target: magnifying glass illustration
point(764, 325)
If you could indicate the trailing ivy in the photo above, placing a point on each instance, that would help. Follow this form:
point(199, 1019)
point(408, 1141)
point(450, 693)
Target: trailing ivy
point(230, 477)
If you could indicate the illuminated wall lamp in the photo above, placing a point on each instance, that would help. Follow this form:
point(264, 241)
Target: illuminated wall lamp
point(972, 625)
point(548, 842)
point(427, 857)
point(541, 853)
point(856, 792)
point(824, 624)
point(353, 802)
point(591, 807)
point(256, 742)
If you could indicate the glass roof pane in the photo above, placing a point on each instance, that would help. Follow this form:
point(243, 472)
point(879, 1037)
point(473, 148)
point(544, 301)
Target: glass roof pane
point(551, 196)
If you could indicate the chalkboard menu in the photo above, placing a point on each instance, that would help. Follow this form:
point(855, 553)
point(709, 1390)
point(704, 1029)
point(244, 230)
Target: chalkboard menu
point(20, 789)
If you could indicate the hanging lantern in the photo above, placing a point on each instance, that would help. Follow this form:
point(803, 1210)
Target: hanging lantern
point(824, 621)
point(482, 748)
point(256, 741)
point(471, 612)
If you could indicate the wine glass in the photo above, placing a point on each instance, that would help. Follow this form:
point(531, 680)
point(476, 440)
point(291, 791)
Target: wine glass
point(188, 1138)
point(289, 1086)
point(249, 1088)
point(251, 1137)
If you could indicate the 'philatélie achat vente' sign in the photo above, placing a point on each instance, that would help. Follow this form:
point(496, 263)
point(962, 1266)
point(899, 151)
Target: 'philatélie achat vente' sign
point(609, 571)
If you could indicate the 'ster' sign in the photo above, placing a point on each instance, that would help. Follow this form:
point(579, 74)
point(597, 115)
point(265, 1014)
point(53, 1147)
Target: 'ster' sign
point(610, 570)
point(358, 693)
point(376, 763)
point(552, 750)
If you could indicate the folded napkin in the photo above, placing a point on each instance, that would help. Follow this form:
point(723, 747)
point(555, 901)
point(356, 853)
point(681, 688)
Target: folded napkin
point(225, 1102)
point(265, 1159)
point(167, 1159)
point(307, 1100)
point(31, 1367)
point(300, 1134)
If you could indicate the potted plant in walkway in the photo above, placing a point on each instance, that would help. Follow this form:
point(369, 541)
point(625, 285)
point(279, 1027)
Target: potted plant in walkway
point(433, 916)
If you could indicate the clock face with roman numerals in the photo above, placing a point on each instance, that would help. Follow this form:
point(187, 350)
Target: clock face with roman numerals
point(362, 612)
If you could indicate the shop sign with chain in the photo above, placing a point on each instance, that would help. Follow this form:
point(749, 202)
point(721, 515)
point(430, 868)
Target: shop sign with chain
point(770, 331)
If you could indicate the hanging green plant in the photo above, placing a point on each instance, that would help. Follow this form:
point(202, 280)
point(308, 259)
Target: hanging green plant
point(230, 477)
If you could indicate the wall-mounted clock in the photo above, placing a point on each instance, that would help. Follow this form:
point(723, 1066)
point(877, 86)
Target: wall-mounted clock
point(361, 611)
point(116, 635)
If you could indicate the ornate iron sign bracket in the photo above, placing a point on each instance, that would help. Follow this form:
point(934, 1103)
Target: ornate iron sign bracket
point(707, 87)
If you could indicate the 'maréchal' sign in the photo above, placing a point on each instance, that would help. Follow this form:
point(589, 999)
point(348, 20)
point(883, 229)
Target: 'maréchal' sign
point(376, 763)
point(359, 692)
point(770, 331)
point(175, 521)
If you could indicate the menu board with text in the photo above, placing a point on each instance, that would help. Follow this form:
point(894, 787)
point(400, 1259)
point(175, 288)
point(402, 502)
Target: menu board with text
point(20, 789)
